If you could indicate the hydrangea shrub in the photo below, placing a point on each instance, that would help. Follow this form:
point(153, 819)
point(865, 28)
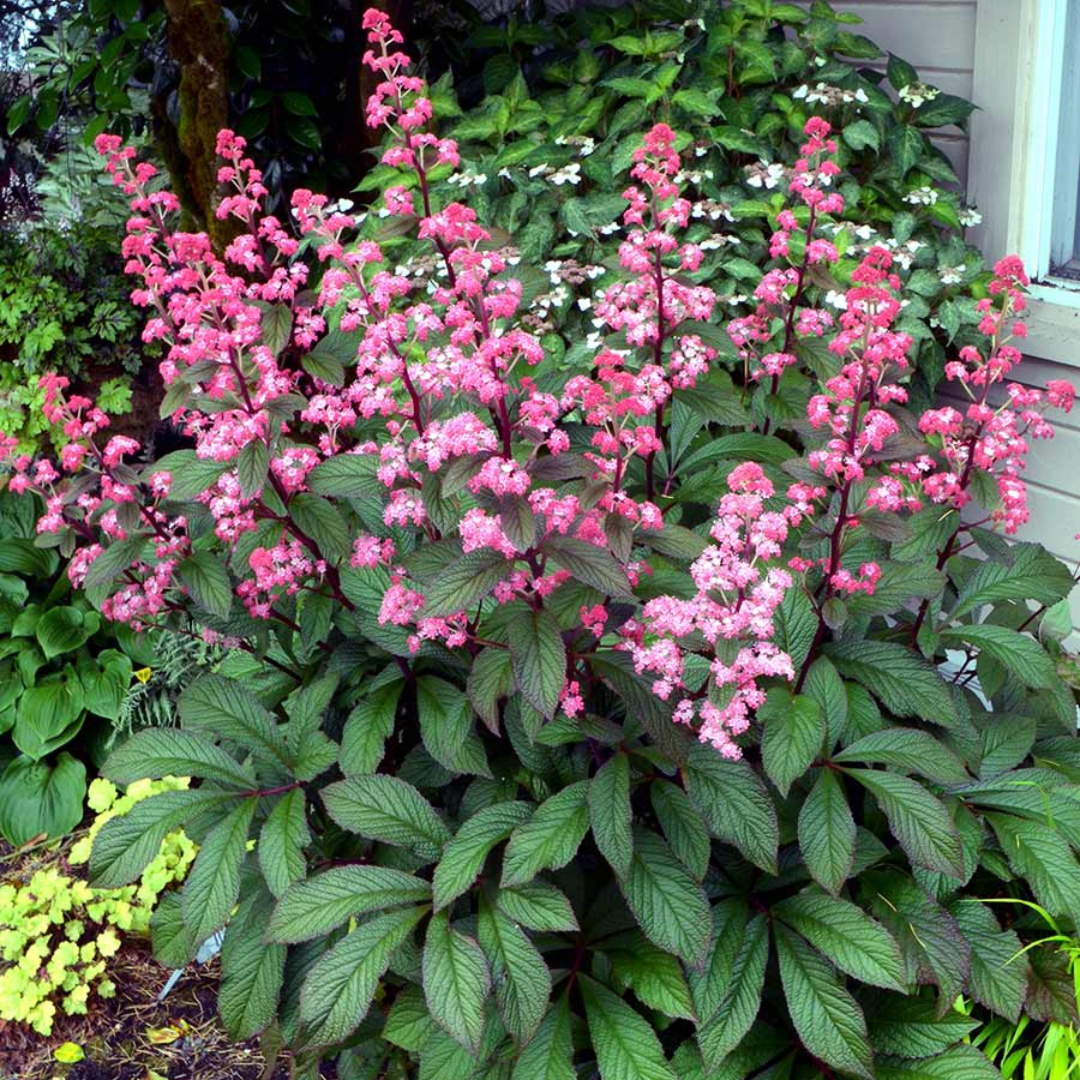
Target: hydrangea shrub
point(586, 718)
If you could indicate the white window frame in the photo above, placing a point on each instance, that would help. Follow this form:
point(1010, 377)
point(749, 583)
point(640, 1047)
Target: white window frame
point(1019, 66)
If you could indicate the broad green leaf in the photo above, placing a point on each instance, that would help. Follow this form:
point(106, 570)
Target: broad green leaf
point(609, 813)
point(338, 990)
point(588, 564)
point(158, 752)
point(847, 936)
point(1018, 653)
point(999, 970)
point(207, 581)
point(626, 1046)
point(41, 797)
point(899, 583)
point(464, 856)
point(320, 520)
point(368, 727)
point(907, 749)
point(796, 624)
point(446, 726)
point(538, 658)
point(127, 843)
point(550, 1054)
point(911, 1027)
point(251, 971)
point(461, 586)
point(824, 685)
point(1043, 859)
point(521, 977)
point(901, 680)
point(683, 826)
point(667, 902)
point(655, 976)
point(538, 906)
point(958, 1063)
point(827, 832)
point(408, 1023)
point(311, 908)
point(222, 708)
point(64, 629)
point(385, 808)
point(491, 678)
point(174, 945)
point(828, 1019)
point(1032, 574)
point(213, 885)
point(347, 476)
point(457, 981)
point(550, 839)
point(282, 841)
point(917, 819)
point(49, 713)
point(734, 803)
point(793, 736)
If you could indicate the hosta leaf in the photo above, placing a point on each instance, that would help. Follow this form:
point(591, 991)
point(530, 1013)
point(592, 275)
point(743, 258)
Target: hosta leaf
point(734, 803)
point(919, 821)
point(158, 752)
point(901, 680)
point(550, 839)
point(538, 906)
point(609, 812)
point(521, 977)
point(683, 826)
point(538, 658)
point(793, 736)
point(626, 1046)
point(847, 936)
point(309, 909)
point(828, 1019)
point(463, 857)
point(251, 971)
point(384, 808)
point(457, 981)
point(827, 832)
point(666, 901)
point(213, 885)
point(338, 990)
point(282, 842)
point(550, 1053)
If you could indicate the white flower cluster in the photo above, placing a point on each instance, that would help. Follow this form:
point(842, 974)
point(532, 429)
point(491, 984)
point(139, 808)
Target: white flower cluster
point(924, 196)
point(918, 94)
point(826, 94)
point(764, 174)
point(969, 216)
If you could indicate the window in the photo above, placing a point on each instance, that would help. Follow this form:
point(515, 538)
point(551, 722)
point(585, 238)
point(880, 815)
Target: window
point(1024, 170)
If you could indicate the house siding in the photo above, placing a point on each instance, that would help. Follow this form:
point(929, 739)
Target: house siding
point(939, 38)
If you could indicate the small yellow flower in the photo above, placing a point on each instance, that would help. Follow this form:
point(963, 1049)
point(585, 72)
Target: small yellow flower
point(143, 674)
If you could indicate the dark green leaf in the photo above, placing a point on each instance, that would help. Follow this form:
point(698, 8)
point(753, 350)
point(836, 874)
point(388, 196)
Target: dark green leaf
point(609, 813)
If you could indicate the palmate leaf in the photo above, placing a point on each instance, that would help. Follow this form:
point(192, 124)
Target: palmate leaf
point(339, 988)
point(626, 1046)
point(457, 981)
point(667, 902)
point(828, 1019)
point(309, 909)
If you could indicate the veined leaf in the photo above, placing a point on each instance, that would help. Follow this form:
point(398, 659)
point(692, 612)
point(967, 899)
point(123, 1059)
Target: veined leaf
point(911, 1028)
point(463, 857)
point(666, 901)
point(908, 749)
point(462, 585)
point(609, 813)
point(446, 726)
point(338, 991)
point(457, 981)
point(626, 1046)
point(1018, 653)
point(311, 908)
point(1044, 859)
point(222, 708)
point(588, 564)
point(828, 1019)
point(655, 976)
point(385, 808)
point(538, 658)
point(368, 727)
point(158, 752)
point(1032, 574)
point(550, 1054)
point(827, 832)
point(282, 842)
point(538, 906)
point(957, 1063)
point(793, 736)
point(683, 826)
point(521, 977)
point(251, 971)
point(550, 839)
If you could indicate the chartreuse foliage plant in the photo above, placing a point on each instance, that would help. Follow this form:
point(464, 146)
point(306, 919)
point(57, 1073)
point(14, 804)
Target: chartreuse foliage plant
point(59, 934)
point(586, 717)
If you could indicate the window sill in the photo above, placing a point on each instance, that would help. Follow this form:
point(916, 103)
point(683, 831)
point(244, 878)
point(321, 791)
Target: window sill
point(1053, 320)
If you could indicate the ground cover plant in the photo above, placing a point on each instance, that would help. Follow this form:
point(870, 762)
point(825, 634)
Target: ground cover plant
point(587, 712)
